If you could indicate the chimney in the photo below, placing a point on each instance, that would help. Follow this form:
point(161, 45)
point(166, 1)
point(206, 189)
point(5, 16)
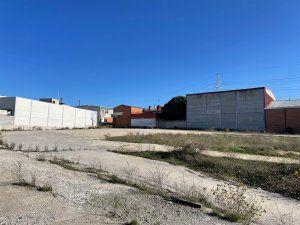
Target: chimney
point(158, 108)
point(149, 108)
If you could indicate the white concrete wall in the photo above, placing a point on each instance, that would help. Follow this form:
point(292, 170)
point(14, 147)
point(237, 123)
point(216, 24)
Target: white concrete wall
point(144, 122)
point(68, 116)
point(90, 118)
point(80, 118)
point(55, 118)
point(7, 120)
point(41, 114)
point(22, 111)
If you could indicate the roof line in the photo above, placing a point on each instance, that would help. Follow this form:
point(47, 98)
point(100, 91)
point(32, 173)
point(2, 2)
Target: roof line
point(242, 89)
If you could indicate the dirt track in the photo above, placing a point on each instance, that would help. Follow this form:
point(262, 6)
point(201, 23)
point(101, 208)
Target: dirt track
point(89, 149)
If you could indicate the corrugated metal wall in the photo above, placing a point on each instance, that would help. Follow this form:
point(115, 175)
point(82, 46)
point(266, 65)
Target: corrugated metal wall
point(237, 110)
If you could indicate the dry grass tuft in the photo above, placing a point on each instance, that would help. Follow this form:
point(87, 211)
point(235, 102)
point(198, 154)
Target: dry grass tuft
point(234, 204)
point(260, 144)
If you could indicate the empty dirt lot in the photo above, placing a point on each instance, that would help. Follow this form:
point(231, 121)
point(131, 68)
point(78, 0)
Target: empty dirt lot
point(82, 198)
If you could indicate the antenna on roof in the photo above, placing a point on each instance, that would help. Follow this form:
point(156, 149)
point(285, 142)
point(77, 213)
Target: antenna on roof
point(218, 82)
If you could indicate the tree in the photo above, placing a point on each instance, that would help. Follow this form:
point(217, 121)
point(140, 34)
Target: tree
point(175, 109)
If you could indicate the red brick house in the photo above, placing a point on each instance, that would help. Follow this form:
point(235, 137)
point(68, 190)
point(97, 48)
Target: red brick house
point(123, 114)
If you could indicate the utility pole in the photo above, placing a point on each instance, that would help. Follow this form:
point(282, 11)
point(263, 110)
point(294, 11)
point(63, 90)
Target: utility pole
point(218, 82)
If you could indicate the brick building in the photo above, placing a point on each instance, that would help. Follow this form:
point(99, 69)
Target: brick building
point(148, 118)
point(283, 117)
point(123, 113)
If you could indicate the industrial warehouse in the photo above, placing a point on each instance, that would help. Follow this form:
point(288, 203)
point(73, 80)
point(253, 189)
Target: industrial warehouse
point(235, 110)
point(251, 109)
point(27, 113)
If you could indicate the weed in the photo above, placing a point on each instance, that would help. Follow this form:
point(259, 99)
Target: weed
point(17, 171)
point(37, 148)
point(6, 145)
point(275, 177)
point(29, 149)
point(191, 193)
point(63, 163)
point(280, 218)
point(235, 206)
point(46, 148)
point(12, 145)
point(117, 203)
point(45, 188)
point(99, 166)
point(32, 180)
point(195, 195)
point(159, 176)
point(130, 172)
point(132, 222)
point(20, 147)
point(107, 135)
point(258, 144)
point(41, 158)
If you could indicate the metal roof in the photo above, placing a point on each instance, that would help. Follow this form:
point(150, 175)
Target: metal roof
point(243, 89)
point(281, 104)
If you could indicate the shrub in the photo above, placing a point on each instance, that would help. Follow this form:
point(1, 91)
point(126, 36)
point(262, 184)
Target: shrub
point(20, 147)
point(41, 158)
point(55, 148)
point(235, 206)
point(132, 222)
point(158, 176)
point(275, 177)
point(12, 145)
point(130, 172)
point(17, 170)
point(46, 188)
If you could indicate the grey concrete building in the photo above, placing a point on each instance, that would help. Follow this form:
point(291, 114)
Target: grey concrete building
point(241, 109)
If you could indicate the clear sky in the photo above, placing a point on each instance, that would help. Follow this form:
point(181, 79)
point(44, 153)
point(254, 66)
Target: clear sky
point(138, 51)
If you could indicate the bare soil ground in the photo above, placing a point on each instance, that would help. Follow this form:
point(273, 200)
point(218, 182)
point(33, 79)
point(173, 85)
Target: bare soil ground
point(76, 189)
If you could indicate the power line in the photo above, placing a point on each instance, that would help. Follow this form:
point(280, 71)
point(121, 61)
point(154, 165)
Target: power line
point(292, 79)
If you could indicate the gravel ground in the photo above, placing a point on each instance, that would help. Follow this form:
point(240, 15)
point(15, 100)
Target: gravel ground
point(89, 149)
point(81, 198)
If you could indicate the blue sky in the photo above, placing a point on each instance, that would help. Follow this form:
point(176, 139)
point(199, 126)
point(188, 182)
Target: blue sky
point(140, 51)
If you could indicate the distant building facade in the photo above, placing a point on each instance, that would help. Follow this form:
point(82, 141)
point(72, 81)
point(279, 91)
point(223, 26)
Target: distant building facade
point(241, 109)
point(104, 114)
point(50, 100)
point(123, 113)
point(149, 118)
